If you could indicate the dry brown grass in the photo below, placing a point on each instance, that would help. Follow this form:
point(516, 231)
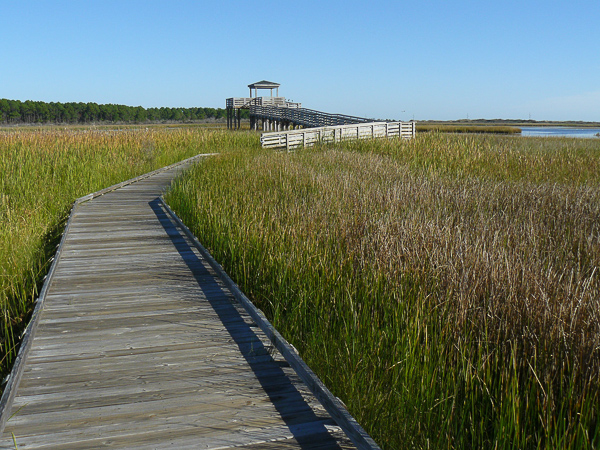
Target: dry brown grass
point(446, 288)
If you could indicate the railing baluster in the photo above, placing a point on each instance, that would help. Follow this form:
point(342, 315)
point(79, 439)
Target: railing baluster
point(291, 139)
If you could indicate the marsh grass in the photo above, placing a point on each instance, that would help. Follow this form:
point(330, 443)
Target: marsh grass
point(42, 171)
point(443, 128)
point(446, 288)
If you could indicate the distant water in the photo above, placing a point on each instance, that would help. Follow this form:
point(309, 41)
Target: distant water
point(560, 132)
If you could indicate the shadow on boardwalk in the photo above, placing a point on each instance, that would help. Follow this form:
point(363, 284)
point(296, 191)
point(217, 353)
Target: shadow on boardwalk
point(288, 401)
point(137, 343)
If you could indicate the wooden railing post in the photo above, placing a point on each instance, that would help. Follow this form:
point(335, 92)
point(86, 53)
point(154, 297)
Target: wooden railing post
point(285, 137)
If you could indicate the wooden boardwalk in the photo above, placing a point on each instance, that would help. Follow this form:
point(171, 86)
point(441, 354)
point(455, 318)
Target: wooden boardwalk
point(140, 345)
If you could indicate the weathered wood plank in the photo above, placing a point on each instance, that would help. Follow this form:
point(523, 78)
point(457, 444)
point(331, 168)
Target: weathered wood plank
point(140, 344)
point(332, 404)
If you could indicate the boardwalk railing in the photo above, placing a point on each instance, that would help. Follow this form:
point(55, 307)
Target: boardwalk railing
point(309, 136)
point(246, 102)
point(305, 117)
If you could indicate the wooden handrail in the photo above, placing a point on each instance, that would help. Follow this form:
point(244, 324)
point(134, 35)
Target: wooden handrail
point(306, 117)
point(309, 136)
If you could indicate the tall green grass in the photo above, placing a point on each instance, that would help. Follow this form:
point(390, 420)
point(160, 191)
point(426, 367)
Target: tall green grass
point(41, 172)
point(446, 288)
point(446, 128)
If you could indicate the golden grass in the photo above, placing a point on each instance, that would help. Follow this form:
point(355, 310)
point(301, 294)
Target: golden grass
point(447, 128)
point(43, 171)
point(447, 289)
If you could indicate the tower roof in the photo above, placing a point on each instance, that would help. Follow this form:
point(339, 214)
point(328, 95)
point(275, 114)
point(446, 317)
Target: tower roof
point(264, 84)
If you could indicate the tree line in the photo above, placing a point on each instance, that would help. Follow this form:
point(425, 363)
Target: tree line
point(18, 112)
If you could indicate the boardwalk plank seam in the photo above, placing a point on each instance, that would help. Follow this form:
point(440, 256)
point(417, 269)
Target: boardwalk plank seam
point(332, 404)
point(14, 376)
point(231, 312)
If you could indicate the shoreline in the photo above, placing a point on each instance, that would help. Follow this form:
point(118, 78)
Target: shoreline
point(513, 123)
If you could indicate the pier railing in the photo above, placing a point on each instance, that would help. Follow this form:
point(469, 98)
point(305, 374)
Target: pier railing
point(246, 102)
point(305, 117)
point(309, 136)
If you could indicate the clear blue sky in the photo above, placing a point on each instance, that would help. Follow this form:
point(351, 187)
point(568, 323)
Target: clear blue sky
point(427, 59)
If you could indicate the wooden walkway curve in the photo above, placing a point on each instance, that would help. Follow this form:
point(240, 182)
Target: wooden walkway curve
point(141, 345)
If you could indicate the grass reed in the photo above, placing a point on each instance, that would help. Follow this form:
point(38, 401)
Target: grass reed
point(446, 288)
point(446, 128)
point(42, 172)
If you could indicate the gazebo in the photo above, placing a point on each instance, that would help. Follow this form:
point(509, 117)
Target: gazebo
point(257, 105)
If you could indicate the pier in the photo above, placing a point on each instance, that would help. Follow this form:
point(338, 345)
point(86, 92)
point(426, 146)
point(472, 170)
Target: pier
point(274, 113)
point(139, 340)
point(280, 118)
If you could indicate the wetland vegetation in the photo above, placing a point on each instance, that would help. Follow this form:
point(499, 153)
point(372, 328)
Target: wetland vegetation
point(445, 288)
point(42, 171)
point(462, 128)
